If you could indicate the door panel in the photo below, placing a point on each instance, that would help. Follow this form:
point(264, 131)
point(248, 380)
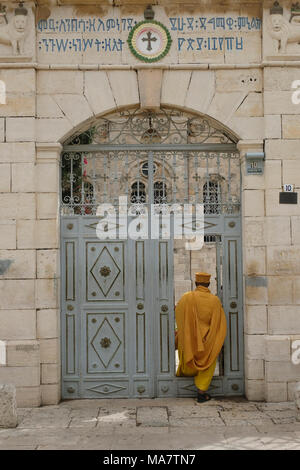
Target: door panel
point(105, 277)
point(229, 289)
point(106, 347)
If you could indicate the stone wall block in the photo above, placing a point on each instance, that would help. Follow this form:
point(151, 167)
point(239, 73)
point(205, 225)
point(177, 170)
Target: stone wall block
point(282, 371)
point(98, 92)
point(127, 94)
point(282, 148)
point(17, 294)
point(47, 323)
point(51, 82)
point(254, 346)
point(276, 392)
point(23, 353)
point(47, 264)
point(50, 373)
point(272, 126)
point(37, 234)
point(20, 376)
point(46, 293)
point(175, 86)
point(290, 126)
point(50, 394)
point(255, 390)
point(201, 90)
point(253, 203)
point(17, 152)
point(20, 129)
point(256, 321)
point(49, 350)
point(278, 231)
point(17, 264)
point(284, 319)
point(283, 260)
point(5, 178)
point(277, 348)
point(18, 324)
point(74, 107)
point(254, 369)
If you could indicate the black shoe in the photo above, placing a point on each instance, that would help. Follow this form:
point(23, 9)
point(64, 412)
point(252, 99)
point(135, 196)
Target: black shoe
point(203, 397)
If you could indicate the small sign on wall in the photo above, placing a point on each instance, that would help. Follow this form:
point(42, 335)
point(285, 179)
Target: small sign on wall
point(288, 188)
point(255, 163)
point(288, 196)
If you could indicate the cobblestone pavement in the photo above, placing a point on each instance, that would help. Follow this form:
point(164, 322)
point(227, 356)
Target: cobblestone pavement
point(170, 424)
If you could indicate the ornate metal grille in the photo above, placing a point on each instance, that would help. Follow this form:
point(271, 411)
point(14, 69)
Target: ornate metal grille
point(211, 197)
point(160, 192)
point(192, 161)
point(148, 127)
point(138, 193)
point(184, 177)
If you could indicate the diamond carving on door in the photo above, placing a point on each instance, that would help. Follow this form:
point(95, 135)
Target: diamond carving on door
point(104, 271)
point(105, 342)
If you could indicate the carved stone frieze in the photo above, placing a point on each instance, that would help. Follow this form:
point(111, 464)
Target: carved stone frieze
point(17, 35)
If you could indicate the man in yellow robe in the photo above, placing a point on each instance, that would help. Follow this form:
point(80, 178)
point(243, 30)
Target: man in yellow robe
point(201, 331)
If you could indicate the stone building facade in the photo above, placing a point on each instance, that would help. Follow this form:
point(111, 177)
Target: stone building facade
point(237, 62)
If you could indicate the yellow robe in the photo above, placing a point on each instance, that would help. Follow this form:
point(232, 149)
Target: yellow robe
point(201, 325)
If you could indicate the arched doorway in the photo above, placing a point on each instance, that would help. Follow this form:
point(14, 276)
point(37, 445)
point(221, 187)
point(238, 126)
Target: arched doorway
point(119, 291)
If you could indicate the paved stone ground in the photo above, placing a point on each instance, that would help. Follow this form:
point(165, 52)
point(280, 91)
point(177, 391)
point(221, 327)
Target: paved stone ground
point(170, 424)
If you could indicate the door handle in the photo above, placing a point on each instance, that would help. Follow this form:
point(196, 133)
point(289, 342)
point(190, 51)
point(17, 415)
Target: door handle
point(233, 305)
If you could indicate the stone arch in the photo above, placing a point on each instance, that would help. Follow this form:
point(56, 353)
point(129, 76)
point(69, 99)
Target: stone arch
point(100, 93)
point(233, 98)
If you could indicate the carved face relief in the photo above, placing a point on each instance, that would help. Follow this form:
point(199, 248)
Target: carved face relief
point(20, 22)
point(276, 21)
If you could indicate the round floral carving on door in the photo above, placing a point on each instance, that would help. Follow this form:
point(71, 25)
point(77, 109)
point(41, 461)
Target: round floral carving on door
point(105, 342)
point(105, 271)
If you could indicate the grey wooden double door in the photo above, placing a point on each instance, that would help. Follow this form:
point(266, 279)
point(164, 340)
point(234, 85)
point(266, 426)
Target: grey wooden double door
point(117, 295)
point(117, 314)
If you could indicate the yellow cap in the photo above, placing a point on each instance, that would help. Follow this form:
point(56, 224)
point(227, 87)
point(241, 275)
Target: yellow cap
point(202, 277)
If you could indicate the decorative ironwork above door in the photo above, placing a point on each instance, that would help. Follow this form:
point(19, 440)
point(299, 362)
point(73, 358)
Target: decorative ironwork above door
point(148, 127)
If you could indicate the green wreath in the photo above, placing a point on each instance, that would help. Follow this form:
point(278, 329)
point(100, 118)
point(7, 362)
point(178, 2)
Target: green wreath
point(149, 59)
